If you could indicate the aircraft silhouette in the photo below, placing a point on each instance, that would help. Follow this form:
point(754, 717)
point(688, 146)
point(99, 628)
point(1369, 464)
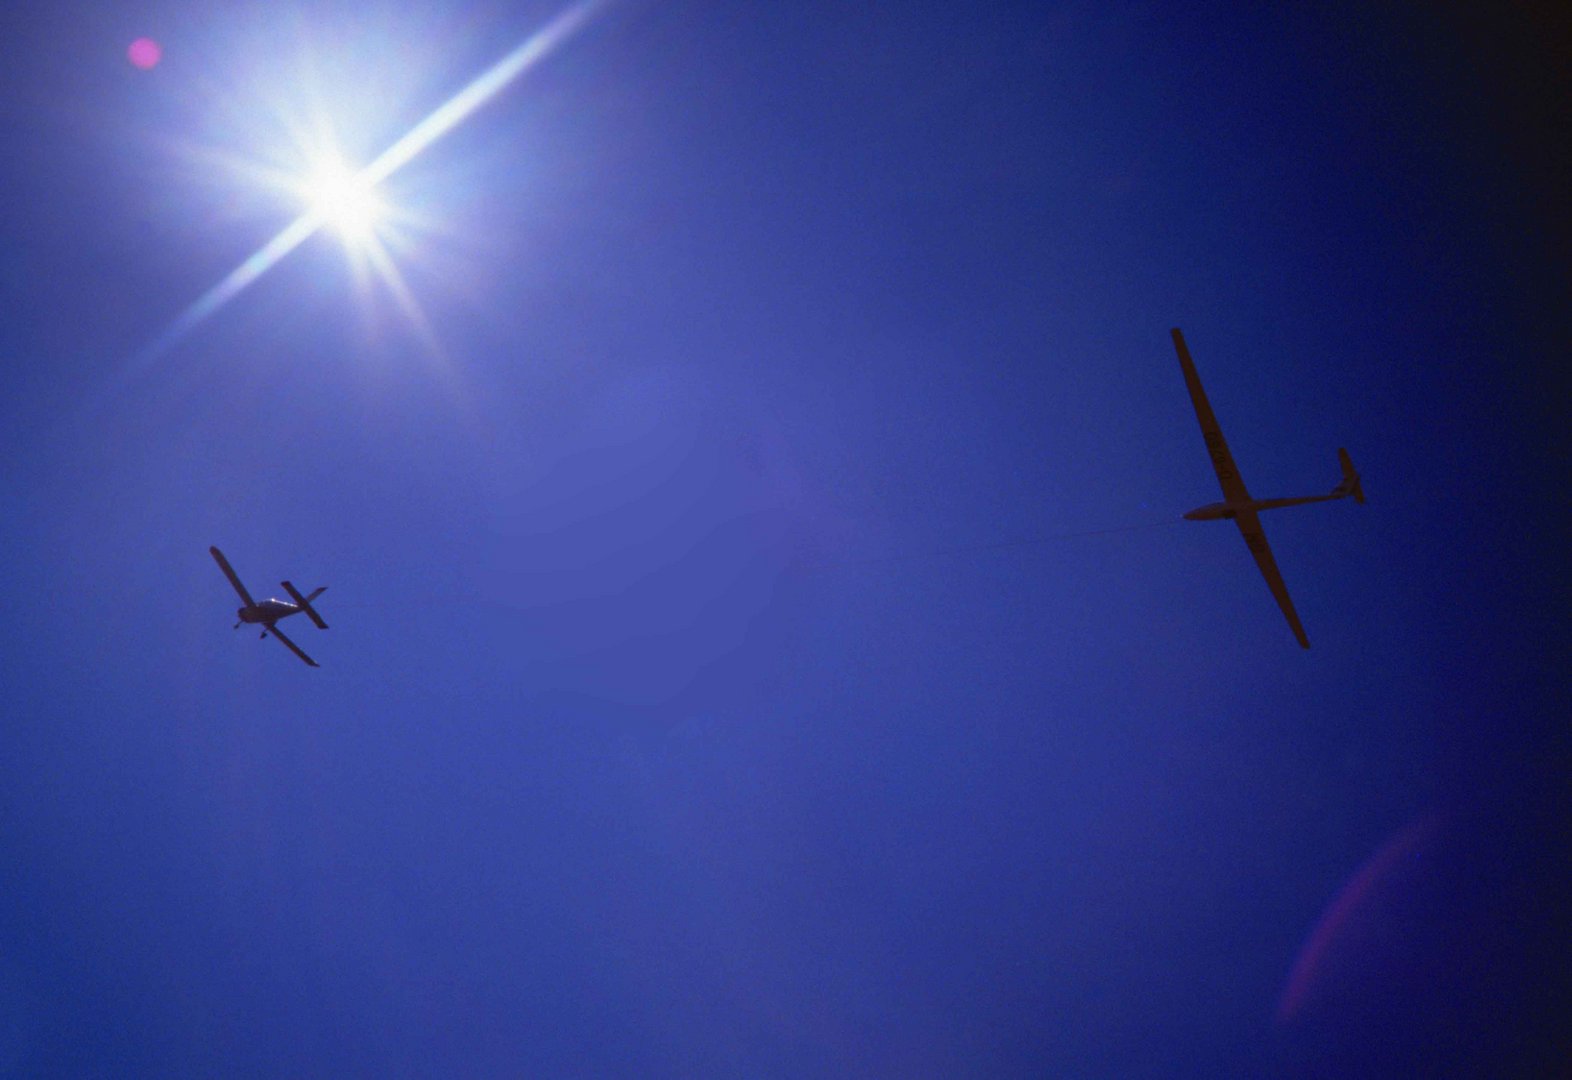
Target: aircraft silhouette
point(1238, 506)
point(269, 612)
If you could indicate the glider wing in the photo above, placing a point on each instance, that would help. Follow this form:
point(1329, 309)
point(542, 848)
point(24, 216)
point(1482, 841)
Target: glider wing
point(1222, 461)
point(1255, 540)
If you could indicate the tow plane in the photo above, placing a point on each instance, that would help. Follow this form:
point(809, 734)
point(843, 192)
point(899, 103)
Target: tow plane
point(1238, 506)
point(268, 612)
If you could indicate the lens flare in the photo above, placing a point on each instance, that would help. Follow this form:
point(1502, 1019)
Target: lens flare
point(144, 53)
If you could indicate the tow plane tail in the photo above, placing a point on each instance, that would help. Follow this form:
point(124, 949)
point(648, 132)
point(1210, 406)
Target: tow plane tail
point(1350, 484)
point(305, 603)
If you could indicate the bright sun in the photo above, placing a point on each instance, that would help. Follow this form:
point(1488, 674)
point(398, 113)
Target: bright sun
point(348, 200)
point(345, 202)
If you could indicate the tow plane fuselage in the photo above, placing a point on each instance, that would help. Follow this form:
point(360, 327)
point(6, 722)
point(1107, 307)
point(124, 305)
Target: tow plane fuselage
point(268, 612)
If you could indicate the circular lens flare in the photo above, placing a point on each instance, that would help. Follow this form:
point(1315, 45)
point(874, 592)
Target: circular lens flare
point(144, 53)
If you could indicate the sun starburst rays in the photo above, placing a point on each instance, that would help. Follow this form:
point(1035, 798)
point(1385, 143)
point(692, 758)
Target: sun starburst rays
point(331, 194)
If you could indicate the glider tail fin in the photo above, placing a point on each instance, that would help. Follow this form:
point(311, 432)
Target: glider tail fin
point(1350, 484)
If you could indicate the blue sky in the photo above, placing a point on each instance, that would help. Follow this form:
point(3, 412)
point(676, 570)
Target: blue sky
point(730, 672)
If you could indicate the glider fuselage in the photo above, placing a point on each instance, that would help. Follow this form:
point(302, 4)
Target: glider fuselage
point(1210, 512)
point(1229, 511)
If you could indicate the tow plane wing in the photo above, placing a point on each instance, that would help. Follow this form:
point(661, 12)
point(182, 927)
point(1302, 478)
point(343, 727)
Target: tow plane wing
point(291, 646)
point(229, 572)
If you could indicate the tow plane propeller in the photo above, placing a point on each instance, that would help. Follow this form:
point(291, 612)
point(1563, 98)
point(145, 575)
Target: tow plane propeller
point(268, 612)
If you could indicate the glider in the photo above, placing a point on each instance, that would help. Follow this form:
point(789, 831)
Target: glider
point(1237, 505)
point(269, 612)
